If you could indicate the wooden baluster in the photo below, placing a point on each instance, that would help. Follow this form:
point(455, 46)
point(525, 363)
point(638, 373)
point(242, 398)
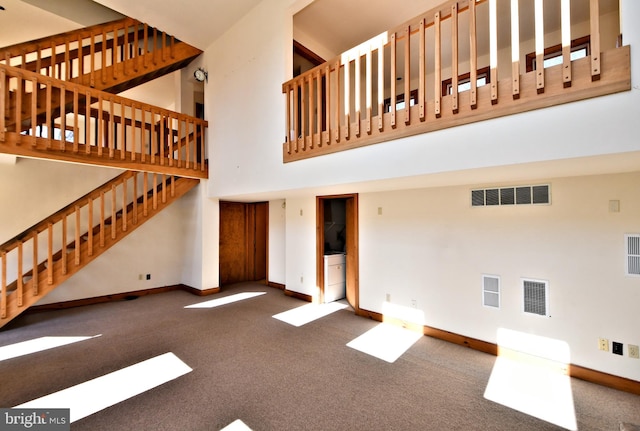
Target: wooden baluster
point(136, 27)
point(202, 147)
point(515, 49)
point(318, 115)
point(422, 71)
point(4, 94)
point(380, 85)
point(347, 97)
point(80, 57)
point(111, 129)
point(155, 191)
point(34, 275)
point(20, 275)
point(437, 29)
point(154, 137)
point(473, 56)
point(135, 197)
point(87, 122)
point(287, 133)
point(90, 226)
point(154, 56)
point(92, 48)
point(163, 136)
point(134, 147)
point(125, 48)
point(52, 65)
point(357, 95)
point(172, 47)
point(3, 286)
point(565, 11)
point(454, 58)
point(145, 195)
point(310, 112)
point(407, 75)
point(50, 253)
point(296, 118)
point(173, 186)
point(76, 108)
point(124, 205)
point(103, 68)
point(123, 129)
point(63, 118)
point(100, 125)
point(49, 109)
point(394, 79)
point(143, 128)
point(114, 218)
point(102, 219)
point(171, 150)
point(38, 58)
point(67, 61)
point(164, 189)
point(594, 12)
point(369, 87)
point(19, 91)
point(327, 101)
point(539, 25)
point(77, 238)
point(34, 110)
point(303, 102)
point(493, 50)
point(23, 64)
point(114, 52)
point(64, 244)
point(188, 142)
point(164, 44)
point(146, 46)
point(336, 131)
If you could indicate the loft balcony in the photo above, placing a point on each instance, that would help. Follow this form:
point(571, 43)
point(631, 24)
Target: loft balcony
point(462, 62)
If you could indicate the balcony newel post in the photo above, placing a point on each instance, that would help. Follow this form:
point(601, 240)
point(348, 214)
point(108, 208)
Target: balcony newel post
point(473, 56)
point(438, 64)
point(539, 25)
point(407, 75)
point(328, 104)
point(454, 58)
point(357, 94)
point(493, 50)
point(566, 43)
point(392, 84)
point(380, 85)
point(515, 49)
point(369, 87)
point(423, 73)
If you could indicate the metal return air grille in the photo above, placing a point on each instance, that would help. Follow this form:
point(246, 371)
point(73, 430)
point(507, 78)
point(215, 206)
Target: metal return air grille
point(520, 195)
point(535, 297)
point(633, 254)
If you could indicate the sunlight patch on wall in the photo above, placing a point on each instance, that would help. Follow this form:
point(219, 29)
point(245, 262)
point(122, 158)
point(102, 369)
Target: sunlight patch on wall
point(38, 345)
point(226, 300)
point(97, 394)
point(308, 313)
point(236, 425)
point(531, 375)
point(385, 341)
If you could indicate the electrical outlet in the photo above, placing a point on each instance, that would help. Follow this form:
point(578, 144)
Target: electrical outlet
point(616, 348)
point(414, 303)
point(603, 344)
point(388, 297)
point(148, 276)
point(633, 351)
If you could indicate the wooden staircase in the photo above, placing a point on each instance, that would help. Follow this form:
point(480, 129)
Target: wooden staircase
point(42, 257)
point(57, 101)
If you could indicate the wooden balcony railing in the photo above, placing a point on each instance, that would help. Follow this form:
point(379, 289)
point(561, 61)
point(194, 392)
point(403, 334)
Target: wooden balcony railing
point(100, 56)
point(37, 260)
point(461, 62)
point(44, 117)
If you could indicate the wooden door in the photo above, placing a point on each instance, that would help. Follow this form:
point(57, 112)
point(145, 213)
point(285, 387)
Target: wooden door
point(243, 241)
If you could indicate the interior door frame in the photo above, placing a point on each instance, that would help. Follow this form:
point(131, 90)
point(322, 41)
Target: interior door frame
point(351, 247)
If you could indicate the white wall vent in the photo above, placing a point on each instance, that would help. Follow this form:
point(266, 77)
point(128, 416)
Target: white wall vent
point(535, 297)
point(520, 195)
point(491, 291)
point(632, 266)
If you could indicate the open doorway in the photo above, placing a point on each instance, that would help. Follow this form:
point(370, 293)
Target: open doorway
point(336, 245)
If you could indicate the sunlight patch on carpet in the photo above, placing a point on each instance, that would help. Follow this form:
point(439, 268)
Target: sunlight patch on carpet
point(236, 425)
point(308, 313)
point(97, 394)
point(226, 300)
point(38, 345)
point(385, 341)
point(531, 375)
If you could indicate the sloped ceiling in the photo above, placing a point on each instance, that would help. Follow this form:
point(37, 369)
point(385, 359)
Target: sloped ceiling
point(196, 22)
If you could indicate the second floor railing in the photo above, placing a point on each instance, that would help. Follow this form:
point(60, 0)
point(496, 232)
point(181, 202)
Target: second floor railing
point(461, 62)
point(45, 117)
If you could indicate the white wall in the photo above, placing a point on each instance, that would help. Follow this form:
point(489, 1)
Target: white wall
point(431, 246)
point(277, 241)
